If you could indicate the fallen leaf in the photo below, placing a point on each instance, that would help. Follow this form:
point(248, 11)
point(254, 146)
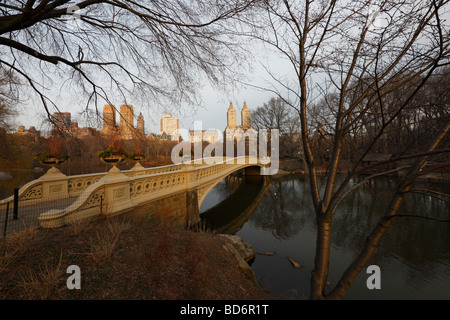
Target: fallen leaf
point(266, 253)
point(295, 264)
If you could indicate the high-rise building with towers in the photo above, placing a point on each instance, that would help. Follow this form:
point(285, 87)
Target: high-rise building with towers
point(126, 121)
point(245, 118)
point(126, 129)
point(109, 120)
point(244, 131)
point(140, 126)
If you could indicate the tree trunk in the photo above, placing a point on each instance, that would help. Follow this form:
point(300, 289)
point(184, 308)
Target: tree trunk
point(322, 260)
point(374, 238)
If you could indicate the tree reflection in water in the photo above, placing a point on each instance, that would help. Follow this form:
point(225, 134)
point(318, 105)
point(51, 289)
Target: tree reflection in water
point(414, 255)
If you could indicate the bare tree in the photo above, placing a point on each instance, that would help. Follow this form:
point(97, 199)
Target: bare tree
point(351, 53)
point(277, 114)
point(9, 98)
point(108, 50)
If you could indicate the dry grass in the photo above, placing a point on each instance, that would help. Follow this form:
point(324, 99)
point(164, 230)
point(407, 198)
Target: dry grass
point(20, 240)
point(40, 284)
point(16, 245)
point(6, 258)
point(117, 227)
point(122, 260)
point(103, 247)
point(75, 228)
point(202, 227)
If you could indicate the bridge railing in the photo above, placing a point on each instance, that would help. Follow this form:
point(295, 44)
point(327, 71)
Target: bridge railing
point(54, 184)
point(79, 183)
point(182, 175)
point(115, 191)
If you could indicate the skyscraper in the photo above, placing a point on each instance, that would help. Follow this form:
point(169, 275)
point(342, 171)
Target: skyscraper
point(169, 124)
point(109, 119)
point(126, 121)
point(231, 117)
point(246, 121)
point(140, 126)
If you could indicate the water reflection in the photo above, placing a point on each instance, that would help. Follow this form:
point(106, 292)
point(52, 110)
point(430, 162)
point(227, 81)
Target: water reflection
point(280, 215)
point(16, 179)
point(244, 195)
point(414, 255)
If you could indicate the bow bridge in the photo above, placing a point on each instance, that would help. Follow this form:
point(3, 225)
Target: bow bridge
point(173, 192)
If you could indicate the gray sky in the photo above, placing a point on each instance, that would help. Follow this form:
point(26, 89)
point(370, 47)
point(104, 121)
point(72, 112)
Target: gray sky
point(212, 112)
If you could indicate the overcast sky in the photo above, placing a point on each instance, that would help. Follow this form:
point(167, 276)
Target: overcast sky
point(212, 112)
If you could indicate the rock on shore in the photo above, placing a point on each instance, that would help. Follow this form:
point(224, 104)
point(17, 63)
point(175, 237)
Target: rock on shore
point(243, 252)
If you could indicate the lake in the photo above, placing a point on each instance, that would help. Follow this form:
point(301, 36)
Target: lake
point(275, 215)
point(413, 256)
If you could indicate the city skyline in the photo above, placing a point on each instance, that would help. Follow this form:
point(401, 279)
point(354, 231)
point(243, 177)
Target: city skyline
point(214, 103)
point(124, 118)
point(212, 117)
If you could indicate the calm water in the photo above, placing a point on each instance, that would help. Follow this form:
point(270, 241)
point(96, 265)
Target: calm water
point(15, 179)
point(276, 216)
point(414, 255)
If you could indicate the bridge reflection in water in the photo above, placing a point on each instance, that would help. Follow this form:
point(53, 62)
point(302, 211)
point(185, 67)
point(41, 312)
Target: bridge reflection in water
point(229, 215)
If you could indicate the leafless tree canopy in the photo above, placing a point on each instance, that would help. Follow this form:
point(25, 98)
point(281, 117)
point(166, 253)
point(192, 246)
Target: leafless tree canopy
point(277, 114)
point(9, 97)
point(157, 49)
point(362, 67)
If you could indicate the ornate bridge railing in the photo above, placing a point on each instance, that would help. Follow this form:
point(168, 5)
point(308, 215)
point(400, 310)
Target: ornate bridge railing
point(54, 184)
point(119, 191)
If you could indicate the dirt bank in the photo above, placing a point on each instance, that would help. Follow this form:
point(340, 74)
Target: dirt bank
point(122, 260)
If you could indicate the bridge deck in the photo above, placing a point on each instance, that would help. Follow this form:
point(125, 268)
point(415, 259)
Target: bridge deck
point(28, 213)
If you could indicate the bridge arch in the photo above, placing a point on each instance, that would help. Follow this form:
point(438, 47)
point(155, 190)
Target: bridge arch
point(232, 212)
point(248, 169)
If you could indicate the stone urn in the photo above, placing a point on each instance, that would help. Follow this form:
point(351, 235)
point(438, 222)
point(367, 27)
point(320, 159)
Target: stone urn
point(52, 161)
point(113, 160)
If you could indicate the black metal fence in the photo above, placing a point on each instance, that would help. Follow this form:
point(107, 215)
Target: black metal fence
point(18, 215)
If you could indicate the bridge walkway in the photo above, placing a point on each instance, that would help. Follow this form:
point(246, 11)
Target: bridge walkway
point(28, 213)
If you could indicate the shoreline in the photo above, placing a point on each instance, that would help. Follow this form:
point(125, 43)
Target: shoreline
point(294, 166)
